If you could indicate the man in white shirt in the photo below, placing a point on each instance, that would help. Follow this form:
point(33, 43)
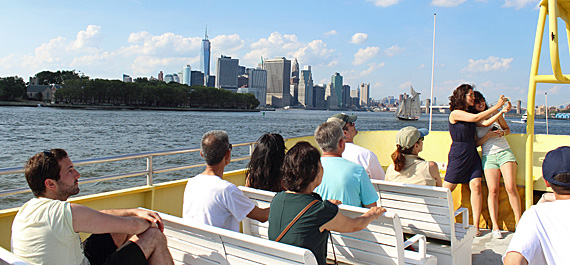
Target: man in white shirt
point(209, 199)
point(355, 153)
point(542, 233)
point(46, 228)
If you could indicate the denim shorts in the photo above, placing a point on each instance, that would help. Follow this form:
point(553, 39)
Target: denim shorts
point(495, 161)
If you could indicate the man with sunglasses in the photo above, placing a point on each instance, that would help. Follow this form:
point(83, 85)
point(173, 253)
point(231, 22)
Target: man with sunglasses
point(211, 200)
point(46, 228)
point(356, 153)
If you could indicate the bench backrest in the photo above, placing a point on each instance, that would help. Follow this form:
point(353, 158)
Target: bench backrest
point(193, 243)
point(422, 209)
point(382, 242)
point(9, 258)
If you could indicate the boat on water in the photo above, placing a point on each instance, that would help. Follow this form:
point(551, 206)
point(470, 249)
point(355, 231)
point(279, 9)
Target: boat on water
point(410, 108)
point(524, 117)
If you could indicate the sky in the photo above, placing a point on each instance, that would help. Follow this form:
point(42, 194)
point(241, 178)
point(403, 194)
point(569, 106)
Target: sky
point(387, 43)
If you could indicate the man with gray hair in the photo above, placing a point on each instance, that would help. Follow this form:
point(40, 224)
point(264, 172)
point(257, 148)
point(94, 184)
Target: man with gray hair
point(342, 180)
point(209, 199)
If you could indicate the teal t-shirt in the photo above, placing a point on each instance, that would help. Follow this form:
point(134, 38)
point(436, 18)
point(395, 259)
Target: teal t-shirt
point(305, 232)
point(347, 182)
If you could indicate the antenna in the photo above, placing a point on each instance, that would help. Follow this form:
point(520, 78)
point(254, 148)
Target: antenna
point(206, 34)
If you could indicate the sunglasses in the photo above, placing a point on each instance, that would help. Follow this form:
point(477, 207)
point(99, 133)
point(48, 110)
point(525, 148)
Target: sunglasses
point(230, 147)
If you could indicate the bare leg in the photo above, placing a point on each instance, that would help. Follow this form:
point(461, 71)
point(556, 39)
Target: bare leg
point(154, 246)
point(509, 171)
point(450, 186)
point(476, 201)
point(493, 176)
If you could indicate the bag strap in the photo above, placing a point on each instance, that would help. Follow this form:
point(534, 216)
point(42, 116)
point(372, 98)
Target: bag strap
point(295, 220)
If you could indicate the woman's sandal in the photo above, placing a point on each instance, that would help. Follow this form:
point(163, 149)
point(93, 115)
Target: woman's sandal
point(478, 233)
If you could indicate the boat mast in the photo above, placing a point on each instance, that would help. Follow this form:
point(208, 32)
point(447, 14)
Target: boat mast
point(432, 65)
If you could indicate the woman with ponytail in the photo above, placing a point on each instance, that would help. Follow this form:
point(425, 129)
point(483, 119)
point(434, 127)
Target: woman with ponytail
point(408, 167)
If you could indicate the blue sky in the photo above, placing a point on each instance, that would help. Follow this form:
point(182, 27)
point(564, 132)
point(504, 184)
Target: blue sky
point(387, 43)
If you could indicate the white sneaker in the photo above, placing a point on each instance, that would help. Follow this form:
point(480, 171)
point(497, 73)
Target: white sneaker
point(497, 234)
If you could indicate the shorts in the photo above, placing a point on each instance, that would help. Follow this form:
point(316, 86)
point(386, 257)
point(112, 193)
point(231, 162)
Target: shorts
point(101, 249)
point(495, 161)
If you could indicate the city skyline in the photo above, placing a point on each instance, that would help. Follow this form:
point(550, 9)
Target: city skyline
point(386, 43)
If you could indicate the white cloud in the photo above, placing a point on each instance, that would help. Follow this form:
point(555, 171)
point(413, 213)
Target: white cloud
point(518, 4)
point(394, 50)
point(364, 55)
point(406, 86)
point(88, 39)
point(165, 45)
point(447, 3)
point(490, 64)
point(422, 66)
point(355, 75)
point(229, 45)
point(384, 3)
point(330, 33)
point(359, 38)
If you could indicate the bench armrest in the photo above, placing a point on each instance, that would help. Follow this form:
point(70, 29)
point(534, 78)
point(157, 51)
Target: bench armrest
point(464, 217)
point(421, 239)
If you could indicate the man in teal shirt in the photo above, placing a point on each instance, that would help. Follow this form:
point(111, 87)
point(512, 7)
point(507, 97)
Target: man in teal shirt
point(343, 180)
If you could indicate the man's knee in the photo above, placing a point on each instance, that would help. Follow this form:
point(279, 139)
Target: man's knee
point(153, 235)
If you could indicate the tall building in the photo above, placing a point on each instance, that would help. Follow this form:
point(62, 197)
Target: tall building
point(319, 96)
point(305, 88)
point(127, 78)
point(176, 77)
point(186, 75)
point(161, 76)
point(205, 58)
point(168, 78)
point(295, 82)
point(336, 81)
point(331, 98)
point(226, 73)
point(257, 84)
point(278, 82)
point(346, 96)
point(364, 95)
point(196, 78)
point(355, 97)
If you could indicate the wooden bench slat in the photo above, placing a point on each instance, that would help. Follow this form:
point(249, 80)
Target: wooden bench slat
point(412, 198)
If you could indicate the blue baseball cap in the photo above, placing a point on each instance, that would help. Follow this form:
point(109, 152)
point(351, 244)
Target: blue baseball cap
point(556, 162)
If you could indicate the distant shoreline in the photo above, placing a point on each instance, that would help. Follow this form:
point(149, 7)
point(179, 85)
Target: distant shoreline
point(109, 107)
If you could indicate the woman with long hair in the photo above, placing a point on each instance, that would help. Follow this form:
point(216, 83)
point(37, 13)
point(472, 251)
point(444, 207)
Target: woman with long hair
point(302, 173)
point(497, 159)
point(264, 167)
point(408, 167)
point(464, 164)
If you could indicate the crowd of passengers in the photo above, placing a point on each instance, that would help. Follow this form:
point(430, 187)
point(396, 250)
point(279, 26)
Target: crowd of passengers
point(309, 186)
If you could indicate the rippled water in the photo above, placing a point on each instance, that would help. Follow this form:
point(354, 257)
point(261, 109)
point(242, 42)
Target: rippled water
point(99, 133)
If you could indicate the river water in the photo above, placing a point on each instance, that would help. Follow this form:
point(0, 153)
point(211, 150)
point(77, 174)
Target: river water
point(25, 131)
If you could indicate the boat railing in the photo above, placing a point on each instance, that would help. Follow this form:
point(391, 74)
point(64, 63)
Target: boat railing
point(149, 172)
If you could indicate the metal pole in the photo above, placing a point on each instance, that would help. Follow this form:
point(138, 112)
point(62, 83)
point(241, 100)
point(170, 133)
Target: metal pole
point(149, 169)
point(546, 110)
point(432, 70)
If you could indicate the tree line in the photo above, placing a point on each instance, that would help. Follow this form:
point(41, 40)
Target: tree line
point(80, 89)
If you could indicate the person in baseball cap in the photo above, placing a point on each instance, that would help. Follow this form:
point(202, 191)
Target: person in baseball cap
point(408, 136)
point(543, 230)
point(343, 119)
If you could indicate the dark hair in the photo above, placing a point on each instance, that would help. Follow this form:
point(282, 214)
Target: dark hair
point(478, 99)
point(264, 167)
point(300, 167)
point(214, 146)
point(562, 190)
point(43, 165)
point(399, 158)
point(457, 99)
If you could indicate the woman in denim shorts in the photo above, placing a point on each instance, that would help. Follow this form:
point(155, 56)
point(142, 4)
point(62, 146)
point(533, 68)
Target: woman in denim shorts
point(497, 159)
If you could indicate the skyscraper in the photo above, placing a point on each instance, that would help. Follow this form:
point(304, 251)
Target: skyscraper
point(257, 84)
point(305, 94)
point(346, 96)
point(186, 74)
point(336, 81)
point(278, 81)
point(196, 78)
point(226, 73)
point(331, 98)
point(205, 58)
point(295, 82)
point(161, 76)
point(364, 95)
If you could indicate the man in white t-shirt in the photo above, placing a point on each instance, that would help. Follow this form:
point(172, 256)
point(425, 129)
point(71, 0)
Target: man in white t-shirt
point(46, 228)
point(209, 199)
point(542, 233)
point(356, 153)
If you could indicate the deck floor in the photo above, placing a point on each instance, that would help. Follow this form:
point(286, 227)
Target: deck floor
point(488, 250)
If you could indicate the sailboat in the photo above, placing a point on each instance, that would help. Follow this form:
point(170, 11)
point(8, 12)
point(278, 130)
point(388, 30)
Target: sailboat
point(409, 109)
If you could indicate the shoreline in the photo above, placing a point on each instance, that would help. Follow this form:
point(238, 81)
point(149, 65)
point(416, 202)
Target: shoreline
point(110, 107)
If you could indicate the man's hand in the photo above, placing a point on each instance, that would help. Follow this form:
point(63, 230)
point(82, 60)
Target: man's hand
point(152, 217)
point(335, 202)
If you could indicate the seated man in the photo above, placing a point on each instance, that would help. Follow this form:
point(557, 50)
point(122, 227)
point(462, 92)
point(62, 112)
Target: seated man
point(542, 233)
point(209, 199)
point(356, 153)
point(45, 230)
point(342, 180)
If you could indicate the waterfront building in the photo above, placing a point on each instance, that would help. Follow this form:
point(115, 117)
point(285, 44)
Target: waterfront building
point(365, 95)
point(180, 76)
point(346, 102)
point(331, 98)
point(305, 88)
point(319, 96)
point(196, 78)
point(355, 97)
point(278, 82)
point(241, 70)
point(211, 82)
point(161, 76)
point(42, 92)
point(336, 81)
point(127, 78)
point(257, 82)
point(226, 72)
point(242, 80)
point(168, 78)
point(205, 59)
point(186, 74)
point(295, 82)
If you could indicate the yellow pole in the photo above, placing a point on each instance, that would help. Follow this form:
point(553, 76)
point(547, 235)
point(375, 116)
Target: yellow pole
point(529, 178)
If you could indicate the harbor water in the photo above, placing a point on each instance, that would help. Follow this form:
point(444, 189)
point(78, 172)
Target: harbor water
point(85, 134)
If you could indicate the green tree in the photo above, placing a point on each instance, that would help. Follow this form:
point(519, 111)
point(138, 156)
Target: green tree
point(12, 88)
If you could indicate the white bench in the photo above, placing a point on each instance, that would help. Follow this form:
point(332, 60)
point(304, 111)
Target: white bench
point(429, 211)
point(9, 258)
point(193, 243)
point(382, 242)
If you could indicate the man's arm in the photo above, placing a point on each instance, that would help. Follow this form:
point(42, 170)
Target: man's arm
point(150, 216)
point(89, 220)
point(515, 258)
point(259, 214)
